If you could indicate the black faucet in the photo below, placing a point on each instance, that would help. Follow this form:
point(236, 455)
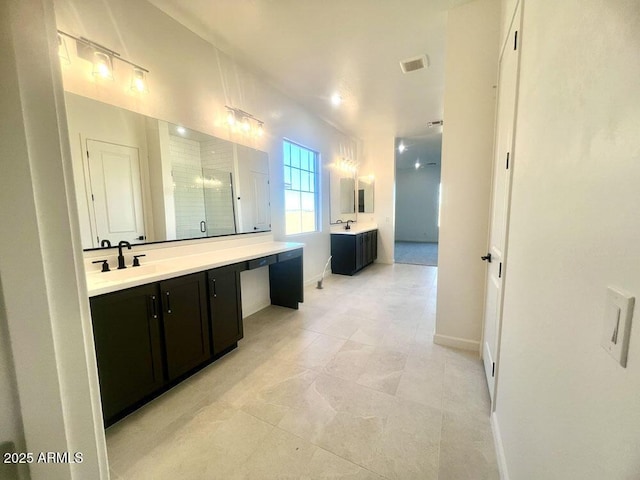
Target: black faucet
point(348, 227)
point(122, 243)
point(105, 243)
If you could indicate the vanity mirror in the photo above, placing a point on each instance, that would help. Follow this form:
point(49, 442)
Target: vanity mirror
point(343, 196)
point(145, 180)
point(365, 194)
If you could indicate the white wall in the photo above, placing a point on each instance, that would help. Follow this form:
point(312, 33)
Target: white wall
point(467, 148)
point(378, 160)
point(190, 83)
point(10, 416)
point(565, 409)
point(44, 294)
point(417, 204)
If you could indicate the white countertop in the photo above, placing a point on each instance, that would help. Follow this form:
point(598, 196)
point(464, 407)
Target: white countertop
point(354, 230)
point(99, 283)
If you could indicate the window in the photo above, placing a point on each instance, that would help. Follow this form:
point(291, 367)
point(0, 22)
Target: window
point(300, 188)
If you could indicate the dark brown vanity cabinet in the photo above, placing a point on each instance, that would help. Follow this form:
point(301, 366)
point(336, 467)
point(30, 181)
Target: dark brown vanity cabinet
point(351, 253)
point(127, 335)
point(186, 323)
point(225, 307)
point(148, 338)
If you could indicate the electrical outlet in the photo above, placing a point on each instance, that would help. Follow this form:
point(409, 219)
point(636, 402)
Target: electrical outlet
point(617, 324)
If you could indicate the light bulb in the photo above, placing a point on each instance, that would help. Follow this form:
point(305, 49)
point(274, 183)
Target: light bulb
point(245, 124)
point(260, 130)
point(336, 99)
point(139, 80)
point(231, 118)
point(401, 148)
point(417, 164)
point(102, 65)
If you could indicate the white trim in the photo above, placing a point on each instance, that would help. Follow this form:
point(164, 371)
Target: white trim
point(456, 342)
point(497, 442)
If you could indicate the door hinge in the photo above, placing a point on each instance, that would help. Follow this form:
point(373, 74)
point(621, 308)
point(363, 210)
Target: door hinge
point(507, 160)
point(93, 199)
point(98, 240)
point(87, 153)
point(500, 270)
point(515, 41)
point(493, 369)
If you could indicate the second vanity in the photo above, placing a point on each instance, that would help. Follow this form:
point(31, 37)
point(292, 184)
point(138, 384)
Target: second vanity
point(156, 324)
point(353, 249)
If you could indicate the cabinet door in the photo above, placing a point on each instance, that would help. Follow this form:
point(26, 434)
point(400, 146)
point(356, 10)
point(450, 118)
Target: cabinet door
point(374, 244)
point(286, 285)
point(226, 307)
point(186, 327)
point(127, 340)
point(343, 254)
point(368, 248)
point(360, 251)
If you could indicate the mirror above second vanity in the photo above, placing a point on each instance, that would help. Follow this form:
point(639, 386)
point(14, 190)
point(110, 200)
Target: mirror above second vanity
point(343, 195)
point(145, 180)
point(366, 186)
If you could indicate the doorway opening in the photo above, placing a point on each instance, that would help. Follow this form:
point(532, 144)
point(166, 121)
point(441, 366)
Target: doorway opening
point(418, 165)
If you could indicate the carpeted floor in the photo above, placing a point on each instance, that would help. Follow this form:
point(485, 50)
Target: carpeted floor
point(416, 253)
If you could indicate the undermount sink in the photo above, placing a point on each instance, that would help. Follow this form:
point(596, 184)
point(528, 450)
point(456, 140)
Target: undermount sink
point(124, 274)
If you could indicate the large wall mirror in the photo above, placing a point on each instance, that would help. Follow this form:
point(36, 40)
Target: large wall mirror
point(145, 180)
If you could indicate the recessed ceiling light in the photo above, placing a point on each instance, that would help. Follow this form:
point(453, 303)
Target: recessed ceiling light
point(181, 130)
point(336, 99)
point(401, 148)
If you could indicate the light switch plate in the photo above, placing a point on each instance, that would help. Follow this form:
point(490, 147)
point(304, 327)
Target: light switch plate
point(617, 324)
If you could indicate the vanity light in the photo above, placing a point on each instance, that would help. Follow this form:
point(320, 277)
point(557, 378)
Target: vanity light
point(139, 80)
point(417, 164)
point(63, 51)
point(401, 148)
point(102, 59)
point(102, 65)
point(239, 120)
point(245, 124)
point(231, 118)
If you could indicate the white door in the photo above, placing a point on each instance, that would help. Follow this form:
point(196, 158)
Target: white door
point(254, 210)
point(502, 170)
point(116, 194)
point(261, 206)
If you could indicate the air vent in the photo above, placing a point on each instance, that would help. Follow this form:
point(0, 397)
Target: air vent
point(413, 64)
point(437, 123)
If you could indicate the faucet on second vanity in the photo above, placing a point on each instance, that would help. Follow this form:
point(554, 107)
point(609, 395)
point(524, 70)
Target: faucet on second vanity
point(348, 227)
point(122, 243)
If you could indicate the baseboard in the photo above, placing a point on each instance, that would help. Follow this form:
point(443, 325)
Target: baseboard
point(315, 279)
point(456, 342)
point(250, 309)
point(497, 442)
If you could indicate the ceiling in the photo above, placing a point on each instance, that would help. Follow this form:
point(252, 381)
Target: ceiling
point(426, 150)
point(312, 48)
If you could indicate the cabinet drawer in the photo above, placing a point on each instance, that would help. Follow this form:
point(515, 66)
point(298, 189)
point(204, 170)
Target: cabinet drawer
point(262, 262)
point(289, 255)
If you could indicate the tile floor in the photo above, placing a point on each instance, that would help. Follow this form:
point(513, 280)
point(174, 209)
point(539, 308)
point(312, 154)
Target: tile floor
point(350, 386)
